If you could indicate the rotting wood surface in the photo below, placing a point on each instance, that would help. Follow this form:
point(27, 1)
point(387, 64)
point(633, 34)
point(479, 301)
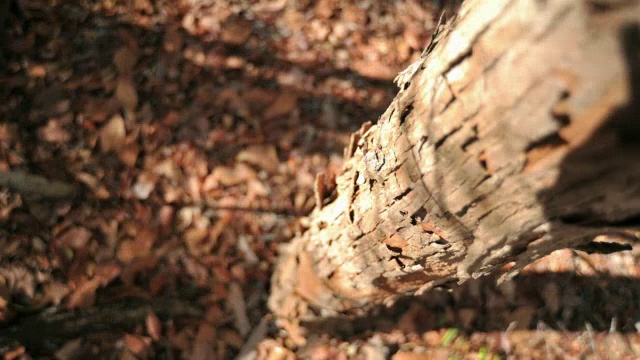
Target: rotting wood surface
point(515, 136)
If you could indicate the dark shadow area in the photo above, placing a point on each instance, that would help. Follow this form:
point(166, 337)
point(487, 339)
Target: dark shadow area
point(562, 301)
point(204, 72)
point(598, 182)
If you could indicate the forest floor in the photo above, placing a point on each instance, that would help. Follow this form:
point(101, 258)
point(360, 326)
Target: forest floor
point(155, 154)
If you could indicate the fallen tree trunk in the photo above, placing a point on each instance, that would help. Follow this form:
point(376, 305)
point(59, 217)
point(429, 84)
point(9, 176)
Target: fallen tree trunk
point(517, 134)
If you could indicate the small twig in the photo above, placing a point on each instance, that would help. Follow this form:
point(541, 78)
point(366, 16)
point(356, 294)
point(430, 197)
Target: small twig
point(275, 211)
point(257, 335)
point(41, 332)
point(592, 342)
point(35, 185)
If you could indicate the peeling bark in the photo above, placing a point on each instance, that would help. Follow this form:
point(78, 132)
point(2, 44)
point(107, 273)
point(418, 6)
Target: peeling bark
point(517, 135)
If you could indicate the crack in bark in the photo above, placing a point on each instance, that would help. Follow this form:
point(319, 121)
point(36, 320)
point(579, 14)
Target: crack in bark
point(462, 212)
point(417, 227)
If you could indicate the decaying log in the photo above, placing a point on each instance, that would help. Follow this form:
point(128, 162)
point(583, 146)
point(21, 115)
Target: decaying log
point(517, 135)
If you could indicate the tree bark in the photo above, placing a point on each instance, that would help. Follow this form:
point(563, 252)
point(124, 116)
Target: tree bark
point(517, 134)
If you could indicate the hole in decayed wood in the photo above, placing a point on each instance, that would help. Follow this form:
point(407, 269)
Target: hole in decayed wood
point(562, 119)
point(398, 261)
point(578, 218)
point(424, 140)
point(484, 178)
point(599, 7)
point(629, 221)
point(474, 203)
point(482, 159)
point(474, 138)
point(419, 216)
point(560, 110)
point(446, 286)
point(402, 194)
point(351, 215)
point(469, 141)
point(542, 148)
point(427, 227)
point(322, 225)
point(405, 112)
point(441, 241)
point(444, 138)
point(395, 249)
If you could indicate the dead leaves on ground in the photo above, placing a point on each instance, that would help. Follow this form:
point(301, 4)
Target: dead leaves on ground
point(170, 124)
point(113, 134)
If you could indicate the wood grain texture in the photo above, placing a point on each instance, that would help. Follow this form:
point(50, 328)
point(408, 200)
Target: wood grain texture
point(516, 136)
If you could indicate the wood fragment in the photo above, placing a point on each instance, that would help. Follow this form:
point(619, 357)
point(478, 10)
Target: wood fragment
point(35, 185)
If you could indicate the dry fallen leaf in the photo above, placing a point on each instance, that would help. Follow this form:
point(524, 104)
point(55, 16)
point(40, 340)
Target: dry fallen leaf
point(236, 30)
point(70, 350)
point(522, 316)
point(76, 237)
point(107, 272)
point(374, 70)
point(99, 190)
point(405, 355)
point(54, 292)
point(113, 134)
point(325, 8)
point(127, 251)
point(262, 156)
point(84, 295)
point(203, 347)
point(129, 155)
point(144, 6)
point(138, 345)
point(37, 71)
point(145, 184)
point(226, 176)
point(270, 6)
point(354, 13)
point(127, 94)
point(236, 302)
point(271, 350)
point(282, 106)
point(153, 325)
point(195, 240)
point(54, 132)
point(15, 353)
point(125, 59)
point(19, 280)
